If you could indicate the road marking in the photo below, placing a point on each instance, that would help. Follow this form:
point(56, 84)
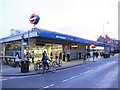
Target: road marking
point(85, 72)
point(76, 76)
point(51, 85)
point(68, 79)
point(2, 79)
point(67, 69)
point(88, 71)
point(12, 77)
point(110, 63)
point(72, 77)
point(65, 80)
point(46, 87)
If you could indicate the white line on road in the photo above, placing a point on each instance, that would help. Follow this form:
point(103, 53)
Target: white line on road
point(67, 69)
point(72, 77)
point(2, 79)
point(68, 79)
point(51, 85)
point(65, 80)
point(12, 77)
point(87, 71)
point(110, 63)
point(46, 87)
point(76, 76)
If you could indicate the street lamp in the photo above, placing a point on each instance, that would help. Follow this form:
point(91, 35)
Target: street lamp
point(104, 33)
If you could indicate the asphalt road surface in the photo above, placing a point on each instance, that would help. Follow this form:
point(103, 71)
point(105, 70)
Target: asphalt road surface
point(99, 74)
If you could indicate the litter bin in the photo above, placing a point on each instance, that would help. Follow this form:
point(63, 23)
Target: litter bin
point(24, 66)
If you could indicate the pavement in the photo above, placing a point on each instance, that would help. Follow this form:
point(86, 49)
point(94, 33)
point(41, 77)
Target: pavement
point(7, 70)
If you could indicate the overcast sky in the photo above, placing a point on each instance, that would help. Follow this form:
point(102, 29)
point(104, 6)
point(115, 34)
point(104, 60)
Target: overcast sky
point(82, 18)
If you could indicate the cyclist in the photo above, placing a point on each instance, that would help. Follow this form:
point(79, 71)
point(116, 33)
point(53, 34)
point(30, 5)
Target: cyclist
point(45, 59)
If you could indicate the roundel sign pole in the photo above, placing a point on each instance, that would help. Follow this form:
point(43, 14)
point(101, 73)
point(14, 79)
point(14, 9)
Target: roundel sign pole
point(34, 19)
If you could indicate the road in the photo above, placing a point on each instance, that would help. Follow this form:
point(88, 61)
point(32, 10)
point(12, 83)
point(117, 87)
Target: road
point(99, 74)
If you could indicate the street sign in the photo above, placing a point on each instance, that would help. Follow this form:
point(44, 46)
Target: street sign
point(24, 43)
point(34, 19)
point(92, 45)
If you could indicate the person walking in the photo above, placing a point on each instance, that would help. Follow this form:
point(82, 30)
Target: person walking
point(60, 56)
point(51, 55)
point(79, 55)
point(27, 56)
point(63, 56)
point(56, 55)
point(68, 56)
point(17, 60)
point(33, 56)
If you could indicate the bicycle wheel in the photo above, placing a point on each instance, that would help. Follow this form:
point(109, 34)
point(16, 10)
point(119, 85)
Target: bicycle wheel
point(53, 67)
point(60, 64)
point(41, 68)
point(36, 67)
point(46, 69)
point(54, 63)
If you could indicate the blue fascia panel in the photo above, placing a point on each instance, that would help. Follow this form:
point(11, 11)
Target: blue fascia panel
point(54, 35)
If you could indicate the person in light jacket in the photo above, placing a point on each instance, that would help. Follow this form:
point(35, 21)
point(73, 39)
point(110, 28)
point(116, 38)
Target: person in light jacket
point(17, 60)
point(33, 56)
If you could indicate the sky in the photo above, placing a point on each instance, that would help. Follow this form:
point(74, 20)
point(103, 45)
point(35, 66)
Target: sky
point(81, 18)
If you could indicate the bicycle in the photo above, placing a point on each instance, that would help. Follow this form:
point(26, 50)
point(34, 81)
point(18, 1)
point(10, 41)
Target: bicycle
point(57, 63)
point(52, 67)
point(39, 66)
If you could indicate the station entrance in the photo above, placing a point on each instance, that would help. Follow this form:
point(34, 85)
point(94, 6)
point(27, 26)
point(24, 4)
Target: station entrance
point(38, 41)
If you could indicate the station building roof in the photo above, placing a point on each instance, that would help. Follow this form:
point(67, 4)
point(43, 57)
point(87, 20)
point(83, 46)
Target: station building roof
point(50, 34)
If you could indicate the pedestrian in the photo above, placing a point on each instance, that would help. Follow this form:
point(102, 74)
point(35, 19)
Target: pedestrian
point(63, 56)
point(79, 55)
point(17, 60)
point(33, 56)
point(68, 56)
point(94, 54)
point(56, 55)
point(51, 55)
point(97, 54)
point(27, 58)
point(60, 55)
point(101, 54)
point(84, 56)
point(87, 54)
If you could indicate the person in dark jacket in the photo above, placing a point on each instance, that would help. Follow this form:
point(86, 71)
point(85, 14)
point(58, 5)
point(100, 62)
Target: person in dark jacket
point(51, 55)
point(63, 56)
point(68, 56)
point(45, 59)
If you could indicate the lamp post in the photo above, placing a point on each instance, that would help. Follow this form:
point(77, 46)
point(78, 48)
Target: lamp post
point(104, 33)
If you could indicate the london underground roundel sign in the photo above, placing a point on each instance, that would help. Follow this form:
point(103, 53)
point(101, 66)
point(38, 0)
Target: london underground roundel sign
point(34, 19)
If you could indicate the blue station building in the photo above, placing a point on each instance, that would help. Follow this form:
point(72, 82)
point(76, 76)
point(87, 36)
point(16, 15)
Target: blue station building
point(40, 40)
